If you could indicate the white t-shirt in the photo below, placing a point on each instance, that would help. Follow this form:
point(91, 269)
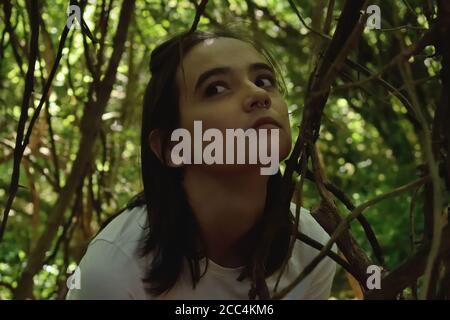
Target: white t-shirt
point(112, 268)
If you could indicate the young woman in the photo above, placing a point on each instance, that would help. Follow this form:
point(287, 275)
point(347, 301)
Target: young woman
point(200, 231)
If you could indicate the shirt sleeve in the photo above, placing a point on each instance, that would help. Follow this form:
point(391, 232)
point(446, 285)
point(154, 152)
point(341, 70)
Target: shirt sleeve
point(107, 273)
point(321, 284)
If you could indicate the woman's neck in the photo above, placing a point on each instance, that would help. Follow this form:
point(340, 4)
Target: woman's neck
point(226, 206)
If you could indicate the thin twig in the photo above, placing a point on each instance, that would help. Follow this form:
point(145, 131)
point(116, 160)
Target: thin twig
point(335, 257)
point(407, 26)
point(407, 272)
point(370, 234)
point(199, 12)
point(7, 7)
point(54, 154)
point(343, 226)
point(392, 89)
point(414, 49)
point(29, 84)
point(408, 5)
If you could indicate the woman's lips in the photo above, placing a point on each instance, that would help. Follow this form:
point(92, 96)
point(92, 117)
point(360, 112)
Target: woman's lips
point(265, 123)
point(267, 126)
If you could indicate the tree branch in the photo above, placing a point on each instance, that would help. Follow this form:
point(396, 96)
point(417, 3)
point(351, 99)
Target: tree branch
point(89, 129)
point(343, 226)
point(29, 84)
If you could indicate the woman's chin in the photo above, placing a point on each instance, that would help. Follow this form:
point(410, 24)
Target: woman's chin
point(242, 169)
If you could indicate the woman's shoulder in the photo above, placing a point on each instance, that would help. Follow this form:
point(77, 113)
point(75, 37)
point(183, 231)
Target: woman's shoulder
point(120, 240)
point(111, 267)
point(128, 226)
point(317, 284)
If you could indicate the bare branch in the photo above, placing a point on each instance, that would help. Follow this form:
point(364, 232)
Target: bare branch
point(89, 128)
point(344, 226)
point(29, 84)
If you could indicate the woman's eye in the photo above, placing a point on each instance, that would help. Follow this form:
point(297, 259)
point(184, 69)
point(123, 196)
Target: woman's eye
point(267, 81)
point(214, 89)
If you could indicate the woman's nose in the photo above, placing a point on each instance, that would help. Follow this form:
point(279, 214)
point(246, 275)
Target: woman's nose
point(257, 98)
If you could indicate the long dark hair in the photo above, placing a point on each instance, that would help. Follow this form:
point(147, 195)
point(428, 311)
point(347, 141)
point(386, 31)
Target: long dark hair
point(173, 231)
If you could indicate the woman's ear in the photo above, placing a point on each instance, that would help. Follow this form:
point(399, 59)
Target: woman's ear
point(155, 141)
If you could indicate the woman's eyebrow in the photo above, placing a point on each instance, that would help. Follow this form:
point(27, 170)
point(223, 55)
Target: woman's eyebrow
point(224, 70)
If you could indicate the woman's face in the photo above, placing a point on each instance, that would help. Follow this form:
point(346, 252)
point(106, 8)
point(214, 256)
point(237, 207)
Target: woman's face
point(226, 83)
